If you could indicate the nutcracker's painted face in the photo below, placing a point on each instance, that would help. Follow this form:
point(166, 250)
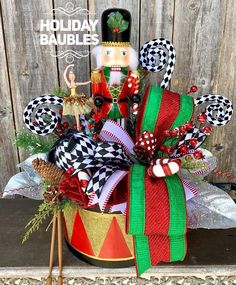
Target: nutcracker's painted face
point(115, 56)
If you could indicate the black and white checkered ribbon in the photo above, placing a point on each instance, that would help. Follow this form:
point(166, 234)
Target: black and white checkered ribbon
point(81, 152)
point(154, 49)
point(40, 126)
point(219, 112)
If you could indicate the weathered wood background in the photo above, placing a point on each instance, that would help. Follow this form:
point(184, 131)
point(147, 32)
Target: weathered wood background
point(203, 32)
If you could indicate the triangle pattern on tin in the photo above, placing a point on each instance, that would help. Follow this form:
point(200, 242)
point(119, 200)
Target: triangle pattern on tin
point(96, 225)
point(69, 218)
point(79, 239)
point(114, 245)
point(128, 238)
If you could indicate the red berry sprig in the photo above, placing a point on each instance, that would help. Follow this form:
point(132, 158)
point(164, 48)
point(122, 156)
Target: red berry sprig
point(61, 128)
point(183, 149)
point(174, 132)
point(193, 142)
point(193, 89)
point(198, 154)
point(207, 130)
point(202, 118)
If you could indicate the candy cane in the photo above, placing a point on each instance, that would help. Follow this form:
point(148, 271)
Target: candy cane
point(41, 127)
point(221, 106)
point(154, 48)
point(164, 167)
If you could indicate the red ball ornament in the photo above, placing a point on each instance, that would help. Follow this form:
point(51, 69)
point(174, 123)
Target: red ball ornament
point(58, 126)
point(207, 130)
point(74, 126)
point(182, 129)
point(60, 133)
point(65, 125)
point(193, 142)
point(189, 126)
point(201, 118)
point(95, 137)
point(90, 126)
point(193, 89)
point(198, 154)
point(183, 149)
point(174, 132)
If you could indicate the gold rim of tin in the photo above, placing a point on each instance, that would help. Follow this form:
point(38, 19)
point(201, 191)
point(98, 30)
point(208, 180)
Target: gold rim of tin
point(99, 258)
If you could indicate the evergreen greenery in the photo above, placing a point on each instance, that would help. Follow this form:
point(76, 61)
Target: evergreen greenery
point(34, 144)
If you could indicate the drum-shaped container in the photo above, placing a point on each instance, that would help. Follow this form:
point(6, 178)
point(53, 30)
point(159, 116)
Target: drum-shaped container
point(98, 238)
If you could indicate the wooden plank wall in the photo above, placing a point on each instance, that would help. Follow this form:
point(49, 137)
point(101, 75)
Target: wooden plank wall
point(203, 32)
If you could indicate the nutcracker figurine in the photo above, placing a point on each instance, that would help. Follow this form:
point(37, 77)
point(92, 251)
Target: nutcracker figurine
point(115, 82)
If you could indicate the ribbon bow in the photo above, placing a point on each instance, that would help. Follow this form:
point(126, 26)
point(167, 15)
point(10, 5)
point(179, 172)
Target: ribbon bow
point(79, 151)
point(146, 147)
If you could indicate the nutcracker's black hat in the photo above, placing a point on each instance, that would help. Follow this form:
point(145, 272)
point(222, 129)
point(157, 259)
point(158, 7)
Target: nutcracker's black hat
point(116, 27)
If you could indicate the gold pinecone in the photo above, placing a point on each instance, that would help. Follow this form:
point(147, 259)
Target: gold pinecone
point(48, 170)
point(52, 195)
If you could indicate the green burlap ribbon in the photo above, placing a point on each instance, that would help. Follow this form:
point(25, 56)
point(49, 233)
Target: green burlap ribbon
point(177, 219)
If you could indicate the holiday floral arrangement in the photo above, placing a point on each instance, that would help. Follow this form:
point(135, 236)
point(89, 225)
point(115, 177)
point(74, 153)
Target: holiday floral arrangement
point(127, 176)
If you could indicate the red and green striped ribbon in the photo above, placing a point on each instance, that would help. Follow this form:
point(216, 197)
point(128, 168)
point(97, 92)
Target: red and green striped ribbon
point(137, 217)
point(185, 114)
point(137, 210)
point(153, 105)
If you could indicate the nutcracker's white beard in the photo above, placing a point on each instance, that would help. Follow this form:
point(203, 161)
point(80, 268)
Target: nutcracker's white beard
point(115, 78)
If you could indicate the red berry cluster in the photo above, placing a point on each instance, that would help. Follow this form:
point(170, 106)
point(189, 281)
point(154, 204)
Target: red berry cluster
point(193, 89)
point(182, 130)
point(201, 118)
point(116, 30)
point(176, 133)
point(62, 127)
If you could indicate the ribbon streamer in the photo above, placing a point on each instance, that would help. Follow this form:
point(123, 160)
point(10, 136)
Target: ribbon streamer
point(40, 127)
point(221, 107)
point(148, 53)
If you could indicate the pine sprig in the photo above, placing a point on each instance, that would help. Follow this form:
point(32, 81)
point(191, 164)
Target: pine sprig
point(33, 225)
point(32, 143)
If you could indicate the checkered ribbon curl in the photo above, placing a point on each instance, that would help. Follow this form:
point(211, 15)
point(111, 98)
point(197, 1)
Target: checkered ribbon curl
point(81, 152)
point(219, 112)
point(40, 126)
point(154, 48)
